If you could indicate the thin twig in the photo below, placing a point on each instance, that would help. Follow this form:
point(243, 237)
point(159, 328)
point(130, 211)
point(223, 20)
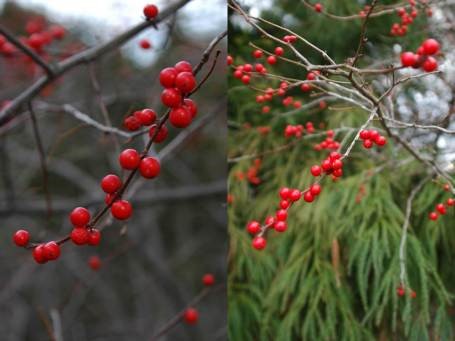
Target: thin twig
point(43, 160)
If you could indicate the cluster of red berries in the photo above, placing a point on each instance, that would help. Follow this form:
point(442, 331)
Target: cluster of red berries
point(253, 171)
point(83, 232)
point(139, 118)
point(441, 209)
point(38, 37)
point(294, 130)
point(407, 18)
point(370, 137)
point(311, 76)
point(290, 39)
point(423, 56)
point(243, 72)
point(178, 83)
point(288, 196)
point(329, 143)
point(401, 291)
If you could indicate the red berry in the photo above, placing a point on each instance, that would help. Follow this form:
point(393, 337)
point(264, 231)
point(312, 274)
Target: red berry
point(146, 117)
point(183, 66)
point(162, 133)
point(295, 195)
point(145, 44)
point(259, 67)
point(281, 215)
point(94, 262)
point(171, 97)
point(253, 227)
point(337, 164)
point(191, 316)
point(280, 226)
point(337, 172)
point(380, 140)
point(318, 7)
point(247, 68)
point(21, 238)
point(413, 294)
point(430, 64)
point(326, 165)
point(121, 209)
point(51, 250)
point(80, 216)
point(400, 291)
point(257, 53)
point(433, 216)
point(180, 117)
point(79, 235)
point(39, 254)
point(129, 159)
point(94, 237)
point(131, 123)
point(374, 135)
point(284, 193)
point(208, 280)
point(430, 46)
point(271, 60)
point(111, 183)
point(315, 189)
point(229, 60)
point(57, 31)
point(149, 167)
point(450, 202)
point(305, 87)
point(190, 106)
point(259, 243)
point(185, 82)
point(316, 170)
point(408, 59)
point(150, 11)
point(246, 79)
point(368, 143)
point(364, 134)
point(168, 76)
point(311, 76)
point(279, 51)
point(308, 197)
point(284, 204)
point(441, 209)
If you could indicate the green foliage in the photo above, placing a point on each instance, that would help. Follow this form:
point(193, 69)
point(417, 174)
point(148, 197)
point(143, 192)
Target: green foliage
point(290, 290)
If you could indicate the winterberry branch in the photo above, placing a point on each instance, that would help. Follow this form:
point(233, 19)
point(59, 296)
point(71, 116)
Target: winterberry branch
point(84, 57)
point(180, 112)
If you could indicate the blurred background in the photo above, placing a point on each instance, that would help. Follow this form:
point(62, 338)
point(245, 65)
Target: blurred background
point(334, 273)
point(152, 265)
